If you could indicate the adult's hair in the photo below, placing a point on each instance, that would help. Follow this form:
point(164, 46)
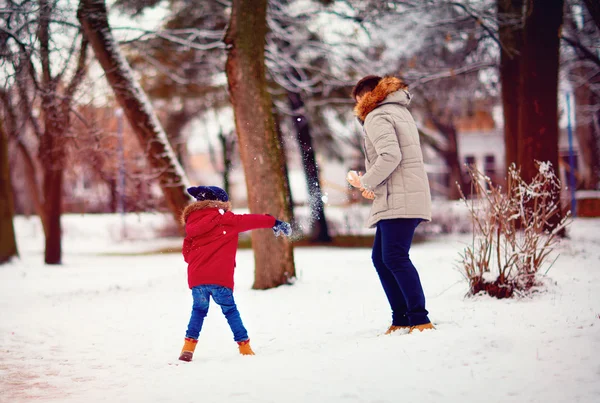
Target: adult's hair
point(364, 85)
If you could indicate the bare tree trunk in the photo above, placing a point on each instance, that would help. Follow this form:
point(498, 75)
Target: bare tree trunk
point(284, 169)
point(588, 146)
point(8, 242)
point(538, 100)
point(320, 231)
point(13, 132)
point(52, 156)
point(510, 32)
point(227, 146)
point(259, 147)
point(32, 184)
point(451, 157)
point(92, 15)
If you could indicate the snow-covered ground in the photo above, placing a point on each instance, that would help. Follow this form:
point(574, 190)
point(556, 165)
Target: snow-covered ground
point(108, 325)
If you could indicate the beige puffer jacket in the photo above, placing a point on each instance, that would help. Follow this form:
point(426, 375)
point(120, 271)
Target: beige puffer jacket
point(394, 160)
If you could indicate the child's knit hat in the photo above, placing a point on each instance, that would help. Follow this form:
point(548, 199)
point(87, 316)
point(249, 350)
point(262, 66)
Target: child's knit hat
point(202, 193)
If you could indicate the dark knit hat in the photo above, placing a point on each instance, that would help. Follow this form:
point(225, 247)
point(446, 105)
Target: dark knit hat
point(202, 193)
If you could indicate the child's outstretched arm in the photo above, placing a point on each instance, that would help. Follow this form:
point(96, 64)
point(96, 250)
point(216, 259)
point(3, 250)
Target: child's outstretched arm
point(248, 222)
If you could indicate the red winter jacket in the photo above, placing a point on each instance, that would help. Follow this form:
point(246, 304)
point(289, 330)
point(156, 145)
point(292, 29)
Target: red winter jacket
point(211, 241)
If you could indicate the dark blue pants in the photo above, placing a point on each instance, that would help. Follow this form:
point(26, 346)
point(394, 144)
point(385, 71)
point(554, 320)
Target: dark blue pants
point(398, 276)
point(222, 296)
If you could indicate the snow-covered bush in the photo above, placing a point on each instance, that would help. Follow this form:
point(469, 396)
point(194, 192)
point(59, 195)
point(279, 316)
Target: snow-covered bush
point(515, 231)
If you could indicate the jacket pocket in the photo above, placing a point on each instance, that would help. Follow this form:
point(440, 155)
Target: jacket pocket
point(381, 198)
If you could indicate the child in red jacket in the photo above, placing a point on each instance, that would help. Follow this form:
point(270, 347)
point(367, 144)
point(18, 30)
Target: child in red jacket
point(209, 249)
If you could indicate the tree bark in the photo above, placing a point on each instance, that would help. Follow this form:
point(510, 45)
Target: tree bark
point(32, 184)
point(538, 106)
point(52, 156)
point(12, 131)
point(260, 150)
point(227, 146)
point(588, 145)
point(8, 242)
point(451, 157)
point(510, 32)
point(173, 181)
point(320, 231)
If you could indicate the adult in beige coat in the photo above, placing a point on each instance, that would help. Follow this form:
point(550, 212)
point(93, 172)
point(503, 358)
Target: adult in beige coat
point(397, 182)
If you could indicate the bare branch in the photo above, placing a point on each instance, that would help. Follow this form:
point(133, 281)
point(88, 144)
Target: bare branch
point(581, 49)
point(80, 71)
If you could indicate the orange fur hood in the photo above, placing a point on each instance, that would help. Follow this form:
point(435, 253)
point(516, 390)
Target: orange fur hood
point(387, 85)
point(201, 205)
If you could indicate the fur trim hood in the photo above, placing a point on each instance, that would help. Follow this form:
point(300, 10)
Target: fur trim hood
point(201, 205)
point(386, 87)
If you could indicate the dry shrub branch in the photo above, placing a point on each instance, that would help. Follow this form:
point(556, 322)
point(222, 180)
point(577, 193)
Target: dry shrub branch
point(513, 234)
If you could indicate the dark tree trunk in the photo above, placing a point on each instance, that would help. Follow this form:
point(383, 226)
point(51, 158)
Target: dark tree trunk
point(32, 184)
point(588, 144)
point(538, 100)
point(260, 149)
point(451, 157)
point(320, 231)
point(52, 156)
point(8, 242)
point(12, 132)
point(510, 32)
point(53, 184)
point(284, 169)
point(92, 15)
point(227, 146)
point(457, 178)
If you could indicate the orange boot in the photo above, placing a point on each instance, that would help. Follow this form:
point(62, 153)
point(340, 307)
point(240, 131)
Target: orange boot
point(393, 328)
point(245, 348)
point(420, 328)
point(187, 352)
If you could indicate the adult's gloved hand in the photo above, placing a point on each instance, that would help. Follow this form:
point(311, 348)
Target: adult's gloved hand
point(282, 228)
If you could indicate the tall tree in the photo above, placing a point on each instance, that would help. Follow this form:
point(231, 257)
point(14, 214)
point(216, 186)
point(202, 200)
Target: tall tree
point(510, 34)
point(8, 243)
point(582, 66)
point(39, 66)
point(56, 109)
point(260, 149)
point(538, 98)
point(93, 17)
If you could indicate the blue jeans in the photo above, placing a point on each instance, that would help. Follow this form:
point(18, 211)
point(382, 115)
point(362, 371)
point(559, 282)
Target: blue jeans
point(222, 296)
point(398, 276)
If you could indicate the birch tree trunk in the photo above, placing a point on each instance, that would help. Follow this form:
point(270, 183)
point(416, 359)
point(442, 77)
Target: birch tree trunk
point(8, 243)
point(260, 150)
point(92, 15)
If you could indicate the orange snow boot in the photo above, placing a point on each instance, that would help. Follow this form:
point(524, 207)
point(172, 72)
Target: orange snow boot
point(394, 328)
point(187, 352)
point(245, 348)
point(420, 328)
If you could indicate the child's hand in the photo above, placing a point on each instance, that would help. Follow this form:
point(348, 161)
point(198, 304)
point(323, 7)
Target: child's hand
point(353, 178)
point(282, 227)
